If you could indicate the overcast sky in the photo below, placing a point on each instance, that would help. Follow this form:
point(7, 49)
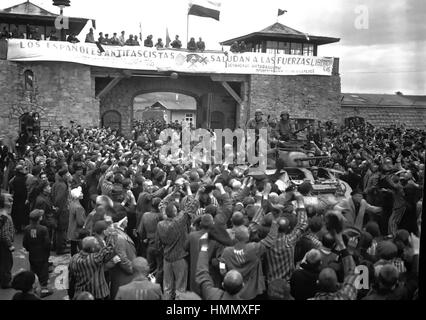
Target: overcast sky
point(386, 57)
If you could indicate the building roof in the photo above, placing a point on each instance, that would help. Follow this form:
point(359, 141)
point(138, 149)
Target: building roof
point(384, 100)
point(278, 31)
point(174, 106)
point(183, 104)
point(280, 28)
point(28, 8)
point(30, 13)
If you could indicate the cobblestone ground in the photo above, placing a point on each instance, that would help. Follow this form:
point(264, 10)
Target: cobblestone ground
point(57, 277)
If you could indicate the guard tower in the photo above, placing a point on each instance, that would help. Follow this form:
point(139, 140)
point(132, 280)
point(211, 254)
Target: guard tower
point(280, 39)
point(22, 19)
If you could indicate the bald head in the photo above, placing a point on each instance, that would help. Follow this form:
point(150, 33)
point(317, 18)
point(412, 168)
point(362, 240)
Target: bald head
point(283, 225)
point(313, 257)
point(90, 244)
point(388, 276)
point(327, 280)
point(236, 185)
point(84, 296)
point(233, 282)
point(140, 266)
point(242, 234)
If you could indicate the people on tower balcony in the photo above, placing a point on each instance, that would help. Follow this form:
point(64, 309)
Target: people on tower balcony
point(201, 46)
point(192, 45)
point(114, 40)
point(148, 42)
point(159, 44)
point(176, 44)
point(90, 37)
point(136, 41)
point(72, 38)
point(101, 39)
point(235, 47)
point(104, 39)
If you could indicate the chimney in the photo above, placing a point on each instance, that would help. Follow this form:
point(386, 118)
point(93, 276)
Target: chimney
point(399, 93)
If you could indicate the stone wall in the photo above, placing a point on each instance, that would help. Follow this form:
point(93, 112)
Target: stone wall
point(65, 91)
point(309, 97)
point(61, 92)
point(411, 117)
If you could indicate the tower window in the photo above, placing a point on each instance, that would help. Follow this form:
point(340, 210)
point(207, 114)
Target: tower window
point(29, 80)
point(189, 117)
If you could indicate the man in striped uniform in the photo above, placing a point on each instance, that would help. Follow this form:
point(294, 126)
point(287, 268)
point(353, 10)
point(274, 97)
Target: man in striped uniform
point(86, 268)
point(171, 237)
point(280, 256)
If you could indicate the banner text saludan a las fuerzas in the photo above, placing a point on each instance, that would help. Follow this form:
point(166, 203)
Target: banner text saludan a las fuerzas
point(142, 58)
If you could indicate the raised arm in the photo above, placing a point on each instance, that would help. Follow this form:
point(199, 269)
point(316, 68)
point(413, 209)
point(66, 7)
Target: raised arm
point(202, 276)
point(269, 240)
point(348, 290)
point(302, 220)
point(168, 199)
point(225, 208)
point(162, 192)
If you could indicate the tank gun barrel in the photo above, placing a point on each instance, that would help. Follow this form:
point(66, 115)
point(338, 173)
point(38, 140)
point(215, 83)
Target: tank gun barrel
point(312, 158)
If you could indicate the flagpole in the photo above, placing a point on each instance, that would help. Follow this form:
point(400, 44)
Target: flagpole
point(187, 28)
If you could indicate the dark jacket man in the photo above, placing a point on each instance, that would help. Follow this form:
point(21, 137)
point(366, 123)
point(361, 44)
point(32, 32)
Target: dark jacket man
point(37, 242)
point(232, 283)
point(283, 127)
point(60, 194)
point(303, 282)
point(122, 272)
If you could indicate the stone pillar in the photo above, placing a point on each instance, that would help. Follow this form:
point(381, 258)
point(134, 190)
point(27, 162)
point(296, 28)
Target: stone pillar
point(243, 108)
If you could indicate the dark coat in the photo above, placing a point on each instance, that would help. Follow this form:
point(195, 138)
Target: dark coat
point(19, 208)
point(400, 293)
point(214, 252)
point(194, 248)
point(60, 194)
point(303, 282)
point(49, 218)
point(37, 242)
point(122, 272)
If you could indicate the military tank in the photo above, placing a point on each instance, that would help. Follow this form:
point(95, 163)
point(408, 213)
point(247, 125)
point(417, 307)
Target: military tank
point(296, 163)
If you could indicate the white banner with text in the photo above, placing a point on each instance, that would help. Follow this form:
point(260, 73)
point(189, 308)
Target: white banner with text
point(142, 58)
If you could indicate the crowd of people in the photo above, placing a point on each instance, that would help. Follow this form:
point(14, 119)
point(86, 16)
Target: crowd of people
point(141, 228)
point(148, 42)
point(105, 39)
point(32, 32)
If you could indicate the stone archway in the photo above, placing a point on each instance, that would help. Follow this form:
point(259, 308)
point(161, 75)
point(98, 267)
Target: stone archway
point(210, 96)
point(198, 100)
